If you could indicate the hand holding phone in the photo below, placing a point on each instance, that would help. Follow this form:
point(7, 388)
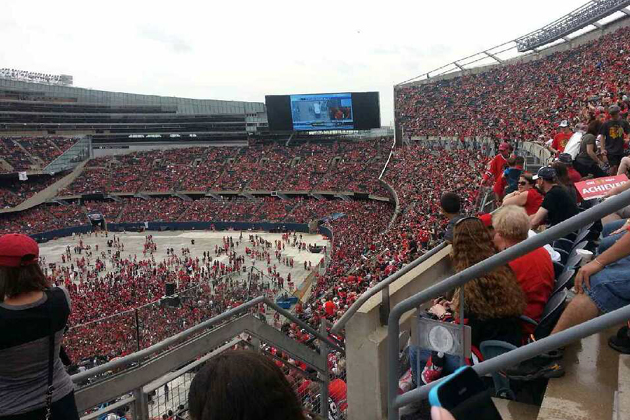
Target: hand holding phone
point(438, 413)
point(464, 395)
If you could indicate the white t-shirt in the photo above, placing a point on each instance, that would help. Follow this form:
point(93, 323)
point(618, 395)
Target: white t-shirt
point(555, 255)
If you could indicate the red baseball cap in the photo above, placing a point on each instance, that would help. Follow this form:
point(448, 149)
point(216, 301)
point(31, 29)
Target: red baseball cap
point(504, 146)
point(14, 247)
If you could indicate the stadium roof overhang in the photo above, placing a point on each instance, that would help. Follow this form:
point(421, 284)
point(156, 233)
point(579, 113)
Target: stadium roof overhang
point(594, 15)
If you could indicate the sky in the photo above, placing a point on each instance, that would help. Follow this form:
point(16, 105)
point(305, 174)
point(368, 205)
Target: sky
point(244, 50)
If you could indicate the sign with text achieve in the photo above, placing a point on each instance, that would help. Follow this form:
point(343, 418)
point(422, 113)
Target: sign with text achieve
point(596, 188)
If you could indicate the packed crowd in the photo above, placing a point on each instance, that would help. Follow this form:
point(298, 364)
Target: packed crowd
point(107, 284)
point(26, 153)
point(336, 166)
point(14, 192)
point(525, 100)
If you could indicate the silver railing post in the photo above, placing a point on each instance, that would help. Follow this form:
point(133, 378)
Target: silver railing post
point(324, 375)
point(462, 305)
point(140, 405)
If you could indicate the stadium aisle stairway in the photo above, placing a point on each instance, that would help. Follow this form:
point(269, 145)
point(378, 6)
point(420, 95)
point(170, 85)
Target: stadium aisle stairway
point(50, 191)
point(512, 410)
point(587, 390)
point(623, 395)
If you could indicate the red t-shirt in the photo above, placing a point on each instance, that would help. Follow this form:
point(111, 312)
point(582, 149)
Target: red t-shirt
point(497, 165)
point(534, 273)
point(330, 308)
point(560, 141)
point(338, 391)
point(574, 175)
point(534, 200)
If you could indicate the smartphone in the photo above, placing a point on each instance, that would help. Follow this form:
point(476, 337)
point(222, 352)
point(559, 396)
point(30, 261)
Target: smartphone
point(465, 396)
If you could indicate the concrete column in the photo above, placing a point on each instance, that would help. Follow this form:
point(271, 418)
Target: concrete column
point(366, 339)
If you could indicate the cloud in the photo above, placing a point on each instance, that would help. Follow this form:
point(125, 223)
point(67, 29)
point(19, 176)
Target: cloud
point(173, 42)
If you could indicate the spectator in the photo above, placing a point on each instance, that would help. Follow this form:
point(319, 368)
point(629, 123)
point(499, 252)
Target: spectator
point(497, 164)
point(562, 175)
point(602, 286)
point(494, 301)
point(534, 271)
point(557, 206)
point(567, 160)
point(495, 170)
point(587, 162)
point(450, 205)
point(624, 166)
point(561, 138)
point(613, 133)
point(624, 213)
point(242, 385)
point(527, 195)
point(512, 174)
point(32, 319)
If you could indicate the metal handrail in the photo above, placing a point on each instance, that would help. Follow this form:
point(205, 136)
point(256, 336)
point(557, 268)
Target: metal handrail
point(341, 322)
point(162, 345)
point(395, 401)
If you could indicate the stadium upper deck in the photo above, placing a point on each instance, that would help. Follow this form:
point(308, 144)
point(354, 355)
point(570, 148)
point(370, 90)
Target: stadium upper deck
point(36, 108)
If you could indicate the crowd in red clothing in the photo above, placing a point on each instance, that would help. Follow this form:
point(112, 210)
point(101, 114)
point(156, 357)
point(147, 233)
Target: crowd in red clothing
point(336, 166)
point(14, 192)
point(40, 151)
point(525, 100)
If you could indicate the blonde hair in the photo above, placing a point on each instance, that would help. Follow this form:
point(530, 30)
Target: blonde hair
point(511, 222)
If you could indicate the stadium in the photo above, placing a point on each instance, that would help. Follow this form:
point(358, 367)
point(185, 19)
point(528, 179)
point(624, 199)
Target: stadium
point(366, 263)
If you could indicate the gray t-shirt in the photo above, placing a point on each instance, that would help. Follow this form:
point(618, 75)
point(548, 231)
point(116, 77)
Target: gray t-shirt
point(583, 157)
point(24, 353)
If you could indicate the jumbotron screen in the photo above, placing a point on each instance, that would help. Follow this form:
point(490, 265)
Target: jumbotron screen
point(323, 111)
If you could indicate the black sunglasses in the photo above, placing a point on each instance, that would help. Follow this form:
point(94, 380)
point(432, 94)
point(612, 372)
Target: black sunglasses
point(522, 183)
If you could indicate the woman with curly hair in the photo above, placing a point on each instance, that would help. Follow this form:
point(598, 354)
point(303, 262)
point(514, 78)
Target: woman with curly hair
point(493, 302)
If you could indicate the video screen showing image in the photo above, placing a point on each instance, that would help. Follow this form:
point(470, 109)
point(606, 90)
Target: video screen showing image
point(322, 112)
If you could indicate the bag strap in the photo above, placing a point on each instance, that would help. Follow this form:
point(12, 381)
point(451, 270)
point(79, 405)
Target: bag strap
point(51, 355)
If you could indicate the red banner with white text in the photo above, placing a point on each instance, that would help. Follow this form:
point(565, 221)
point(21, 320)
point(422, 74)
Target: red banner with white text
point(598, 187)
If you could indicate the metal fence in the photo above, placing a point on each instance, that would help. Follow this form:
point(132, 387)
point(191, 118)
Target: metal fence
point(130, 379)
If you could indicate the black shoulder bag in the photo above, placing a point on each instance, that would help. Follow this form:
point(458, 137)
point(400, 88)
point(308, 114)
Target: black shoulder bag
point(51, 357)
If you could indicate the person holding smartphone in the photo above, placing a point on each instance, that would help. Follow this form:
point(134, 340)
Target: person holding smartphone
point(33, 316)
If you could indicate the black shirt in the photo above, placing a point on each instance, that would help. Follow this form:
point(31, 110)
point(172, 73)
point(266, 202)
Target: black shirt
point(448, 234)
point(559, 205)
point(613, 131)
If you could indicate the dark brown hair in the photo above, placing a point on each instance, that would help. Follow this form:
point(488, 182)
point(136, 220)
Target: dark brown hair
point(17, 280)
point(242, 385)
point(528, 178)
point(594, 127)
point(562, 173)
point(493, 295)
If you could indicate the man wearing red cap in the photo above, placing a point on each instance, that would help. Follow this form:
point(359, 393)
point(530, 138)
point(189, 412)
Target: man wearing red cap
point(33, 316)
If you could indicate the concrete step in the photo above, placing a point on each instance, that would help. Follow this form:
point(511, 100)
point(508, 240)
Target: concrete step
point(623, 396)
point(587, 389)
point(512, 410)
point(5, 166)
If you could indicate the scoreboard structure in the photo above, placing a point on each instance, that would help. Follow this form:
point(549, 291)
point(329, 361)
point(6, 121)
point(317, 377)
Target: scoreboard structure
point(324, 111)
